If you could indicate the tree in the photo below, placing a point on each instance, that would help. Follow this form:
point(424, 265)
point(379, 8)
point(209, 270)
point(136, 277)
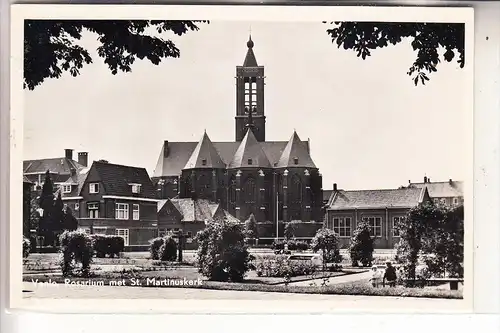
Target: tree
point(413, 230)
point(50, 46)
point(58, 216)
point(426, 39)
point(46, 203)
point(222, 254)
point(69, 221)
point(327, 242)
point(289, 232)
point(251, 230)
point(361, 247)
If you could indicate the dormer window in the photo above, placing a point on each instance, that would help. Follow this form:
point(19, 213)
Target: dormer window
point(136, 188)
point(203, 162)
point(295, 160)
point(66, 188)
point(94, 188)
point(249, 161)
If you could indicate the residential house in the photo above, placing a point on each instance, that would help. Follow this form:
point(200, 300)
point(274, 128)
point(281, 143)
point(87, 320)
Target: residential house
point(189, 216)
point(449, 193)
point(61, 169)
point(114, 199)
point(381, 209)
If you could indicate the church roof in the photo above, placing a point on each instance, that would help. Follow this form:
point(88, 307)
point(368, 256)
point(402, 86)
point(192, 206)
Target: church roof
point(250, 154)
point(205, 156)
point(250, 60)
point(174, 155)
point(296, 154)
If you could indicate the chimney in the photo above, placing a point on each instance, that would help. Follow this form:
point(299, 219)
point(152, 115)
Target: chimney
point(68, 153)
point(335, 186)
point(165, 148)
point(425, 179)
point(83, 159)
point(409, 181)
point(450, 181)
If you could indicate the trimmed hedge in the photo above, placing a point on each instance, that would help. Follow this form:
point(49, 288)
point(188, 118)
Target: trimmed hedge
point(293, 245)
point(76, 247)
point(26, 247)
point(163, 248)
point(107, 245)
point(281, 267)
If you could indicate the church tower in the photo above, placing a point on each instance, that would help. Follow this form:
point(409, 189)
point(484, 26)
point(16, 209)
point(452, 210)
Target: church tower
point(250, 97)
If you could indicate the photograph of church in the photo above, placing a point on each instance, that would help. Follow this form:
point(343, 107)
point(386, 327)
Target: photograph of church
point(273, 180)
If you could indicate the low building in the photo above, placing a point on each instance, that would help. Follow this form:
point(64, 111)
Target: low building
point(449, 193)
point(189, 216)
point(381, 209)
point(114, 199)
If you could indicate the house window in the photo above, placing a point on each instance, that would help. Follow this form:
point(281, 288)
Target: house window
point(295, 160)
point(77, 206)
point(249, 161)
point(375, 224)
point(66, 188)
point(395, 225)
point(124, 234)
point(94, 188)
point(136, 188)
point(135, 212)
point(93, 209)
point(342, 226)
point(203, 162)
point(121, 211)
point(455, 201)
point(189, 234)
point(99, 230)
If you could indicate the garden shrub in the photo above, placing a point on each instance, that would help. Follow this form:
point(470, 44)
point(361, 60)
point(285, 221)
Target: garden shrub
point(278, 245)
point(282, 267)
point(75, 248)
point(327, 242)
point(361, 246)
point(222, 254)
point(293, 245)
point(107, 245)
point(26, 247)
point(168, 249)
point(154, 247)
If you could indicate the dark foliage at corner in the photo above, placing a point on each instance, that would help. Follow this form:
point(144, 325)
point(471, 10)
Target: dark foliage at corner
point(426, 39)
point(51, 46)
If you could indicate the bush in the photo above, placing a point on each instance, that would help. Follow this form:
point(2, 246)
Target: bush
point(327, 242)
point(222, 254)
point(168, 249)
point(26, 247)
point(278, 245)
point(107, 245)
point(361, 246)
point(282, 267)
point(154, 247)
point(76, 248)
point(293, 245)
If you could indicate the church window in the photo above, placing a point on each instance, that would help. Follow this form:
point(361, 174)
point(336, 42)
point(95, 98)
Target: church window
point(249, 192)
point(232, 190)
point(251, 95)
point(203, 162)
point(187, 185)
point(203, 183)
point(295, 160)
point(296, 190)
point(249, 161)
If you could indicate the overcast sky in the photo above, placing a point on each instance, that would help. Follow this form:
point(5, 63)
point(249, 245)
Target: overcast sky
point(369, 126)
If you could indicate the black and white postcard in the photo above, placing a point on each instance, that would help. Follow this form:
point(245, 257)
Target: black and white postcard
point(241, 158)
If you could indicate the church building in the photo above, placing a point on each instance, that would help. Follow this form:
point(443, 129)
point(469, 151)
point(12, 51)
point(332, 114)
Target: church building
point(273, 180)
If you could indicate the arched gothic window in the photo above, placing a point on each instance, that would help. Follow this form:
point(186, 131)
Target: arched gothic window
point(187, 186)
point(249, 191)
point(232, 190)
point(296, 193)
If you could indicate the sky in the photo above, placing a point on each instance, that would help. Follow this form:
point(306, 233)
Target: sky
point(369, 125)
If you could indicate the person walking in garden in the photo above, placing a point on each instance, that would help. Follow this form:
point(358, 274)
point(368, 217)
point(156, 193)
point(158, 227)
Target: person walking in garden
point(376, 278)
point(390, 275)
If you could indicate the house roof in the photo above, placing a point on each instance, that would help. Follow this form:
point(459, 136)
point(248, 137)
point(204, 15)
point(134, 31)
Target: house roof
point(26, 180)
point(250, 60)
point(195, 210)
point(295, 151)
point(250, 150)
point(116, 179)
point(58, 165)
point(442, 189)
point(363, 199)
point(205, 156)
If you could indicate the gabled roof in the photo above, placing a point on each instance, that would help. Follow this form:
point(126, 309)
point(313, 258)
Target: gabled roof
point(376, 199)
point(116, 179)
point(58, 165)
point(295, 151)
point(442, 189)
point(250, 149)
point(205, 156)
point(250, 60)
point(26, 180)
